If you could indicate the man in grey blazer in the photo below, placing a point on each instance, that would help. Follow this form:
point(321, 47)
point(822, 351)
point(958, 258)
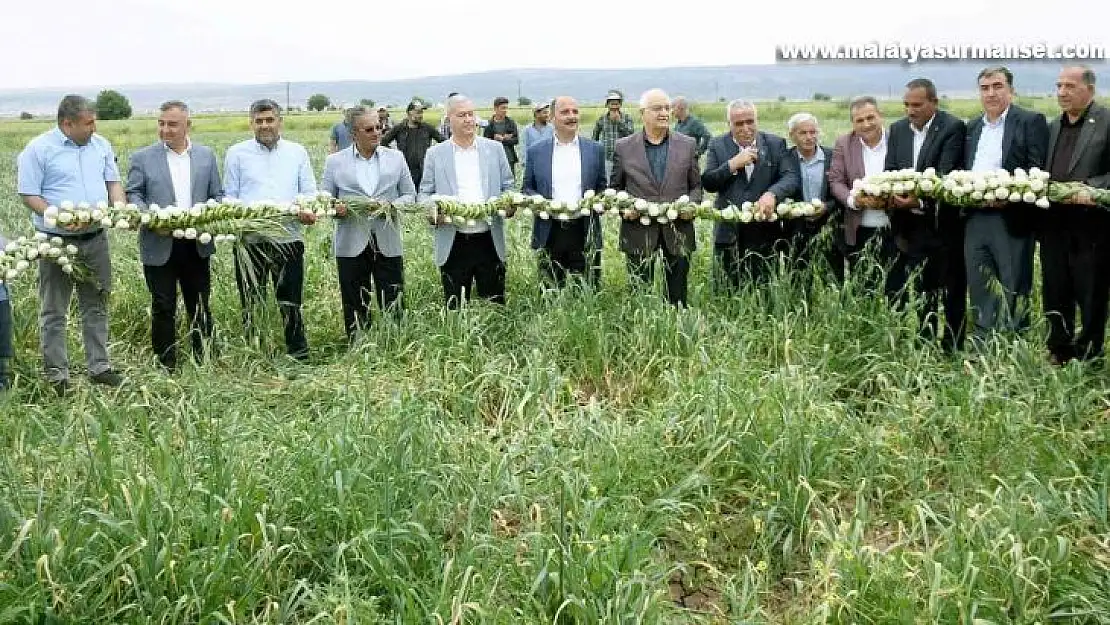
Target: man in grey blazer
point(366, 248)
point(1074, 245)
point(175, 172)
point(470, 169)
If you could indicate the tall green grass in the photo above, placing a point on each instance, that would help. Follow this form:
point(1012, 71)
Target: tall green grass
point(574, 457)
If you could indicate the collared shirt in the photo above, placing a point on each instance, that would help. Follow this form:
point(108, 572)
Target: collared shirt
point(341, 134)
point(468, 181)
point(566, 171)
point(181, 175)
point(919, 138)
point(367, 170)
point(1066, 142)
point(874, 162)
point(608, 131)
point(254, 172)
point(657, 156)
point(813, 174)
point(533, 135)
point(58, 170)
point(750, 167)
point(988, 154)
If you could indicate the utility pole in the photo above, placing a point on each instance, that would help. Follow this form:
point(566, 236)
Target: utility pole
point(519, 91)
point(716, 90)
point(287, 96)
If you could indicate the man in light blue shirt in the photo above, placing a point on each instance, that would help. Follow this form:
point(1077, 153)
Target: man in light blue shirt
point(71, 163)
point(538, 130)
point(269, 168)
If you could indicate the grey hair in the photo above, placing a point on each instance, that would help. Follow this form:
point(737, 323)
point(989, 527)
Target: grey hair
point(356, 112)
point(799, 118)
point(862, 100)
point(741, 105)
point(174, 104)
point(453, 100)
point(650, 92)
point(71, 107)
point(679, 99)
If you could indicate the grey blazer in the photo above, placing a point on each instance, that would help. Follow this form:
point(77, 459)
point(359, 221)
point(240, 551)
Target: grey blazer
point(352, 233)
point(1092, 150)
point(149, 182)
point(439, 179)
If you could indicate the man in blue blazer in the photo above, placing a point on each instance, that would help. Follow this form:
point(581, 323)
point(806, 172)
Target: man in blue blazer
point(562, 168)
point(175, 172)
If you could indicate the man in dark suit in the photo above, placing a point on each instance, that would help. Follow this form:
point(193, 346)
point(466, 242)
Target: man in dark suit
point(930, 237)
point(658, 165)
point(562, 168)
point(813, 161)
point(748, 165)
point(1074, 247)
point(175, 172)
point(998, 241)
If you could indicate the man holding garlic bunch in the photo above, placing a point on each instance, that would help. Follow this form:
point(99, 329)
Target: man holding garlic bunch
point(71, 163)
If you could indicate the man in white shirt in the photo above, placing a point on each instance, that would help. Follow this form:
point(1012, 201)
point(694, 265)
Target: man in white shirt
point(469, 169)
point(563, 168)
point(174, 171)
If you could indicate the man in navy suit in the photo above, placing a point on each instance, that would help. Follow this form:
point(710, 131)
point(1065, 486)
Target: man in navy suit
point(930, 237)
point(999, 241)
point(562, 168)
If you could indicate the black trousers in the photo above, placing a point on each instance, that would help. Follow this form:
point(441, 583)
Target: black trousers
point(355, 275)
point(473, 264)
point(282, 264)
point(568, 252)
point(942, 277)
point(187, 270)
point(1075, 273)
point(676, 269)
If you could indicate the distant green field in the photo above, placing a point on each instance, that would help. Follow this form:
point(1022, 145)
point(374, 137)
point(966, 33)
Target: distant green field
point(578, 457)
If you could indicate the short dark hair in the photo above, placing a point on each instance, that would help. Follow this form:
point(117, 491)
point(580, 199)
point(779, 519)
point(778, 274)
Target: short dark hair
point(264, 105)
point(498, 101)
point(71, 107)
point(997, 69)
point(862, 100)
point(174, 104)
point(926, 84)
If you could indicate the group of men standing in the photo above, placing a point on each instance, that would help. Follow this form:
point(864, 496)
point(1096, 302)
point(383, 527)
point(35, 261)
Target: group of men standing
point(940, 251)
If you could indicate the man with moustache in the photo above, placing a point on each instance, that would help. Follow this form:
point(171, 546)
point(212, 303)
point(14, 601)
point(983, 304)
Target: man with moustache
point(470, 169)
point(413, 138)
point(562, 168)
point(71, 162)
point(748, 165)
point(272, 169)
point(368, 249)
point(998, 240)
point(813, 161)
point(930, 235)
point(175, 172)
point(856, 155)
point(658, 165)
point(1074, 247)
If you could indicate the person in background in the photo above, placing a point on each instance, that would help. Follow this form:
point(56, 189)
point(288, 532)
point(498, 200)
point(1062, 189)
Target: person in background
point(538, 130)
point(72, 163)
point(340, 134)
point(688, 124)
point(503, 129)
point(614, 125)
point(383, 117)
point(413, 138)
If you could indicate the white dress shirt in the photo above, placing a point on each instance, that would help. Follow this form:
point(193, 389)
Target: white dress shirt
point(988, 154)
point(566, 171)
point(368, 171)
point(468, 182)
point(874, 162)
point(181, 174)
point(919, 138)
point(750, 167)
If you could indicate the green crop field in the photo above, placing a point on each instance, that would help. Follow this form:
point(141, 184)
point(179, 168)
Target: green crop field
point(574, 457)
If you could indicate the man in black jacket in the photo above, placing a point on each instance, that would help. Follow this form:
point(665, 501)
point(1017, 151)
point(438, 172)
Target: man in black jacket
point(813, 161)
point(998, 242)
point(748, 165)
point(930, 237)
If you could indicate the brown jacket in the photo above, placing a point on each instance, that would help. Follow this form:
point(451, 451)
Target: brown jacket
point(632, 173)
point(846, 168)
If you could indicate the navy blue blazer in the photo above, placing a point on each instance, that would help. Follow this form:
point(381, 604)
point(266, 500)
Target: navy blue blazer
point(537, 181)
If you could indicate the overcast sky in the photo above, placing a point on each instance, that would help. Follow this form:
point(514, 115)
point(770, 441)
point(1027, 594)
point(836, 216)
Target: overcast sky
point(160, 41)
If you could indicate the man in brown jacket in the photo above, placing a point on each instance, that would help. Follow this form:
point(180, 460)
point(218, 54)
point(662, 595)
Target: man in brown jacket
point(659, 166)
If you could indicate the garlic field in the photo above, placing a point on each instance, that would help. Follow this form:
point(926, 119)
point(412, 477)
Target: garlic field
point(792, 454)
